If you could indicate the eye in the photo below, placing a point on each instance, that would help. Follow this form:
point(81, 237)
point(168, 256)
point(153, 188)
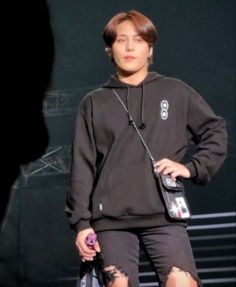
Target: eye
point(138, 39)
point(120, 40)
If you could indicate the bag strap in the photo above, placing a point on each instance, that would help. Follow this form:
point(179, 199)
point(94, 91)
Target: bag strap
point(136, 128)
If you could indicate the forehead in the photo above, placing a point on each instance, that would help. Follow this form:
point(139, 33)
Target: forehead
point(126, 28)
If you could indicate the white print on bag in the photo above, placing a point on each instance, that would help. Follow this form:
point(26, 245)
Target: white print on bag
point(179, 208)
point(164, 109)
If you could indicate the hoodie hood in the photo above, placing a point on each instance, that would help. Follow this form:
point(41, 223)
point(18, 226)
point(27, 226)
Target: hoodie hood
point(114, 83)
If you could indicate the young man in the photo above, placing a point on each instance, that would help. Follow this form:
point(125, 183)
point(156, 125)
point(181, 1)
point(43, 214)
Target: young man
point(112, 188)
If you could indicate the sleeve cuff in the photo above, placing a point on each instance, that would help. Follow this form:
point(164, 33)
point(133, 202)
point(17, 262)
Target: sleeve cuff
point(191, 167)
point(83, 224)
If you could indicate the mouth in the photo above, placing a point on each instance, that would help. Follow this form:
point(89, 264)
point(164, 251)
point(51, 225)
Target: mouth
point(129, 58)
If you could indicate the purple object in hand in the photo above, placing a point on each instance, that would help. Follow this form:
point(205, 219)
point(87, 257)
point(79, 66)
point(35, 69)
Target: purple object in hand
point(91, 239)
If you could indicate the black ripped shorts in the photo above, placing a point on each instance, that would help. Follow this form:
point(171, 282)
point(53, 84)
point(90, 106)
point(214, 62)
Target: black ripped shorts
point(166, 246)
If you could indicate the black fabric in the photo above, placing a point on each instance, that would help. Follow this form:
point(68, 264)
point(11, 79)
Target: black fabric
point(109, 162)
point(166, 246)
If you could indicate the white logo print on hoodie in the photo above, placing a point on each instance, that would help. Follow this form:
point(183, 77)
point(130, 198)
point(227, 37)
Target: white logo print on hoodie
point(164, 109)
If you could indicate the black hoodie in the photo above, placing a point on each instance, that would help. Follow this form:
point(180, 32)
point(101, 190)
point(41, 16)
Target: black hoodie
point(112, 184)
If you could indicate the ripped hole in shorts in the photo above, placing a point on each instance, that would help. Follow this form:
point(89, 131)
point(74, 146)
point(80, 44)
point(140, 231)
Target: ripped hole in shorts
point(113, 273)
point(179, 277)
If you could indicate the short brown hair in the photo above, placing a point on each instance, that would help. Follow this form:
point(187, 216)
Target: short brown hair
point(143, 25)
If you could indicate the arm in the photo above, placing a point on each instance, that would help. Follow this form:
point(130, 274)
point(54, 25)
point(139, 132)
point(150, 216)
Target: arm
point(83, 169)
point(208, 132)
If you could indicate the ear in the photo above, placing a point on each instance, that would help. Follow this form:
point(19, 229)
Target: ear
point(109, 52)
point(150, 52)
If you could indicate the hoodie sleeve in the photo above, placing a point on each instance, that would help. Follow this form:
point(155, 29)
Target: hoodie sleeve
point(208, 132)
point(83, 169)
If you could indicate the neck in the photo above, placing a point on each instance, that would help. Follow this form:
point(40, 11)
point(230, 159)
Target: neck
point(133, 79)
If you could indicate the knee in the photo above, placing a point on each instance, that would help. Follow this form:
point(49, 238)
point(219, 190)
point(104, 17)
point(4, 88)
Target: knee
point(116, 277)
point(180, 278)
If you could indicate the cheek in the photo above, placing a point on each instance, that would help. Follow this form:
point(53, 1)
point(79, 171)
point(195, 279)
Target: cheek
point(117, 51)
point(118, 56)
point(142, 59)
point(145, 56)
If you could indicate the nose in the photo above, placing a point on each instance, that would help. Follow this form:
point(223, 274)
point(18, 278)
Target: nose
point(130, 45)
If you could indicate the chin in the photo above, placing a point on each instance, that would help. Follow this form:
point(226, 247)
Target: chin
point(128, 70)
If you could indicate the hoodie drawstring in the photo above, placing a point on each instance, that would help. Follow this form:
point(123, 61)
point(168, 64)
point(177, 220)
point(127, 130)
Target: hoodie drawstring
point(127, 105)
point(143, 125)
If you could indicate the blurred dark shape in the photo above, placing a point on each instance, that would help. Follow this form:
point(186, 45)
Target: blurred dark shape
point(28, 54)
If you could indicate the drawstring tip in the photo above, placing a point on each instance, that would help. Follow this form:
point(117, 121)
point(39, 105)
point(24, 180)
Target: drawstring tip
point(130, 122)
point(142, 126)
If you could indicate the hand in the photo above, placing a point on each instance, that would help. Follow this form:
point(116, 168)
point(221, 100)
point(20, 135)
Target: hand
point(86, 253)
point(172, 168)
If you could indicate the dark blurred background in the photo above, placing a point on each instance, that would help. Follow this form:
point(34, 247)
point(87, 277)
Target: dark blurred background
point(196, 43)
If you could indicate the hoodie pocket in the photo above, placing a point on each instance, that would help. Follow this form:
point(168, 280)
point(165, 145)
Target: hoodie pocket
point(128, 191)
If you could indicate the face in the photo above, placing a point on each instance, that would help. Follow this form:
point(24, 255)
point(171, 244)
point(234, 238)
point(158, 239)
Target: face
point(130, 51)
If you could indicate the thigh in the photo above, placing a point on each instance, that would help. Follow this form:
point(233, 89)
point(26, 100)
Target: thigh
point(169, 246)
point(121, 248)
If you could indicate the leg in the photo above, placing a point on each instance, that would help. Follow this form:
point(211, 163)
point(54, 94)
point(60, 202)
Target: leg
point(121, 257)
point(170, 252)
point(180, 278)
